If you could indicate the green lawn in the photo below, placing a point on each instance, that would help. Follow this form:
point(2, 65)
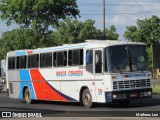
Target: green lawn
point(156, 90)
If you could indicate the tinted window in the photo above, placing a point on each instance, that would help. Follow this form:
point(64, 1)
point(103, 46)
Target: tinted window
point(75, 57)
point(46, 60)
point(60, 58)
point(11, 63)
point(89, 60)
point(21, 62)
point(33, 61)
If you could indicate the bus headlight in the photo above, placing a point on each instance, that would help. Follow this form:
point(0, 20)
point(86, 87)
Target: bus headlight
point(114, 96)
point(149, 93)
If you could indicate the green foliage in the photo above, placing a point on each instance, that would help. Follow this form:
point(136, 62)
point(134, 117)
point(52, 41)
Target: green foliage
point(156, 90)
point(111, 33)
point(22, 39)
point(69, 31)
point(37, 14)
point(146, 31)
point(149, 55)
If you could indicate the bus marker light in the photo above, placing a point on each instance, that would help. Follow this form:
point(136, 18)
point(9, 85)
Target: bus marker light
point(126, 76)
point(133, 95)
point(113, 77)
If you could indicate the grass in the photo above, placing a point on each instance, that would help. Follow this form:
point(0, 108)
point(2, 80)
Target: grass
point(156, 89)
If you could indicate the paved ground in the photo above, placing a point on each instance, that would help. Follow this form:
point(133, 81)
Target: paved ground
point(58, 109)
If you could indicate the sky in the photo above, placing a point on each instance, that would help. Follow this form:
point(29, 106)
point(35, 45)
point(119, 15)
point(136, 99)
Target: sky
point(121, 13)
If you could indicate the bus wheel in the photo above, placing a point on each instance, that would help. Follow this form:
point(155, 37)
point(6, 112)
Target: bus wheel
point(124, 103)
point(27, 96)
point(87, 98)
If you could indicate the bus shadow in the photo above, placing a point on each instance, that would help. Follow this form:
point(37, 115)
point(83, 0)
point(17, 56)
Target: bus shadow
point(55, 103)
point(133, 104)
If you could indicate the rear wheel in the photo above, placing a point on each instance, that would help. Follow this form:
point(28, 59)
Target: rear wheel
point(87, 98)
point(27, 96)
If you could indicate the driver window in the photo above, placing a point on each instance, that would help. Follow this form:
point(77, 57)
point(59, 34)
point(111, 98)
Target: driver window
point(98, 61)
point(89, 60)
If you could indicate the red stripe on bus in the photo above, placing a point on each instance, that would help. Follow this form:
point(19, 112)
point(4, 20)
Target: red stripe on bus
point(43, 90)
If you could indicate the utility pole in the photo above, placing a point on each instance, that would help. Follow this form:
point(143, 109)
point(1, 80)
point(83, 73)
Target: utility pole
point(104, 19)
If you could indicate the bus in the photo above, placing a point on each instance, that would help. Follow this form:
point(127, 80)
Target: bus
point(95, 71)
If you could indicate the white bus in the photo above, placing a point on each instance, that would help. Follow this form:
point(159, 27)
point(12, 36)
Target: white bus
point(91, 72)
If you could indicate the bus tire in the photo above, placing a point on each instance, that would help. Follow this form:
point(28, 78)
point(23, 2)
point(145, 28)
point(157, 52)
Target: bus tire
point(27, 96)
point(87, 98)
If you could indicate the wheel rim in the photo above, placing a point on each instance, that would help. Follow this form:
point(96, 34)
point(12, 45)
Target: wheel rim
point(87, 99)
point(27, 96)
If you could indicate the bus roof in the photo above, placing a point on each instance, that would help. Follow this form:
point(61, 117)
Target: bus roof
point(88, 44)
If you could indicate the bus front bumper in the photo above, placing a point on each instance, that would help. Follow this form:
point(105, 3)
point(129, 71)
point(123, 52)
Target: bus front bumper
point(126, 95)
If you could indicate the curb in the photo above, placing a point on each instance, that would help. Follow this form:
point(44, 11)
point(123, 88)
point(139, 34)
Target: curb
point(156, 96)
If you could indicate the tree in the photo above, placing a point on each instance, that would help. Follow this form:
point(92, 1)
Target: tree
point(111, 33)
point(73, 31)
point(146, 31)
point(37, 14)
point(22, 39)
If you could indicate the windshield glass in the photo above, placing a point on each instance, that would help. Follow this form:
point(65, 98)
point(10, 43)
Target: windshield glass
point(126, 58)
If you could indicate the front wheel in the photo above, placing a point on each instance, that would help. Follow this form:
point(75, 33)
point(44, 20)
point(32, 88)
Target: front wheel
point(87, 98)
point(27, 96)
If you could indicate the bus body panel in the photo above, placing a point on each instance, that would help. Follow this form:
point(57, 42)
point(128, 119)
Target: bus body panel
point(64, 83)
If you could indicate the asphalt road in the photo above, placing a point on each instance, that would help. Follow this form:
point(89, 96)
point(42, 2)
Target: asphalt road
point(59, 109)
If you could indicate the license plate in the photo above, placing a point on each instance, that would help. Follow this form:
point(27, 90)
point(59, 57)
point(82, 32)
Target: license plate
point(133, 95)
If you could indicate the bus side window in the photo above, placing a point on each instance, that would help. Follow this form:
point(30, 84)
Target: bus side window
point(75, 57)
point(33, 61)
point(21, 62)
point(11, 63)
point(45, 60)
point(89, 60)
point(60, 59)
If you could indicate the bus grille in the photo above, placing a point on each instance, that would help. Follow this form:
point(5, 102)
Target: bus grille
point(11, 88)
point(127, 84)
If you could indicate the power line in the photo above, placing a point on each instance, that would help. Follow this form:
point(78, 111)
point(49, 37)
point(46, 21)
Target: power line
point(98, 4)
point(100, 14)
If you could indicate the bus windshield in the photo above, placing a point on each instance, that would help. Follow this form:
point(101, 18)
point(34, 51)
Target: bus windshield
point(126, 58)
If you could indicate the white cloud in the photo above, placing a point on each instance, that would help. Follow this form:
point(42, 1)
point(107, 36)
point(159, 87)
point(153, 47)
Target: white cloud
point(127, 12)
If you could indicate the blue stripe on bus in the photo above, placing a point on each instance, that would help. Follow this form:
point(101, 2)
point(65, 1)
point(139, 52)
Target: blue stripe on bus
point(18, 53)
point(60, 48)
point(25, 80)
